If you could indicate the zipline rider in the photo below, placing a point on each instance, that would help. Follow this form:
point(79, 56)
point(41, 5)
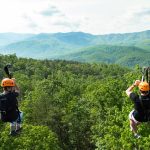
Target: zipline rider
point(141, 111)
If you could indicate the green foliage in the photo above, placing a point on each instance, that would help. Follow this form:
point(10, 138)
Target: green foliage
point(71, 105)
point(32, 137)
point(123, 55)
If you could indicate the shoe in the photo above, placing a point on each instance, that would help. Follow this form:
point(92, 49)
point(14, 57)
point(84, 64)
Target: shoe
point(137, 136)
point(13, 133)
point(19, 130)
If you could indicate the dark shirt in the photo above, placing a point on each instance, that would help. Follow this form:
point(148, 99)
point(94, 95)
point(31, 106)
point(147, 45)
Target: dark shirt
point(141, 105)
point(11, 113)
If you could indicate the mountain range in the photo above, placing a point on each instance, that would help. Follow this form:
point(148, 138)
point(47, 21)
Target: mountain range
point(126, 49)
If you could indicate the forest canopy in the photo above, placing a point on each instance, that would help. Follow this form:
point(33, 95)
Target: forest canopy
point(70, 105)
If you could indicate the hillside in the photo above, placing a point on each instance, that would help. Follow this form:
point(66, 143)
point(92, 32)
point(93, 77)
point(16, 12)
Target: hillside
point(74, 45)
point(8, 38)
point(123, 39)
point(48, 45)
point(123, 55)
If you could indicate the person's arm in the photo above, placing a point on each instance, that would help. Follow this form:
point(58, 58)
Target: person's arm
point(16, 88)
point(130, 89)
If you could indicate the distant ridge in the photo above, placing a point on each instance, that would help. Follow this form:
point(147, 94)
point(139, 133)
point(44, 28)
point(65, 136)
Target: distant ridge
point(8, 38)
point(111, 54)
point(76, 45)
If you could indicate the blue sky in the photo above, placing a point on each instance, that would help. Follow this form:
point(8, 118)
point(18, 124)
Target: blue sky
point(91, 16)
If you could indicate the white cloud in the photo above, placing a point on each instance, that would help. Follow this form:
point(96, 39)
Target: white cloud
point(134, 20)
point(50, 11)
point(93, 16)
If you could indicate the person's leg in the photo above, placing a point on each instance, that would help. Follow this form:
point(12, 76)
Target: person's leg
point(19, 121)
point(13, 128)
point(133, 124)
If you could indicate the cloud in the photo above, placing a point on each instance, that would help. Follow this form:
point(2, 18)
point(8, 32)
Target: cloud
point(136, 19)
point(143, 12)
point(50, 11)
point(96, 16)
point(139, 16)
point(50, 19)
point(32, 25)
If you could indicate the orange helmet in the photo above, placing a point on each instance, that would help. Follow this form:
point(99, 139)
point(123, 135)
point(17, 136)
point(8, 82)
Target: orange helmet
point(7, 82)
point(144, 86)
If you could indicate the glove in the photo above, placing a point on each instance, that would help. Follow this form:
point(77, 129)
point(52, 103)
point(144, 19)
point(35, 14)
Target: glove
point(136, 83)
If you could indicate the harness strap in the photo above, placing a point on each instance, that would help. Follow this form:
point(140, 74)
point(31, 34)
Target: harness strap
point(140, 98)
point(147, 112)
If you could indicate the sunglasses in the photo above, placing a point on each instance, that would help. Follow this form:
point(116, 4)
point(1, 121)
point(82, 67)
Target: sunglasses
point(144, 92)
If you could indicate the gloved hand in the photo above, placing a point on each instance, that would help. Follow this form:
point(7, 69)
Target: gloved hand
point(136, 83)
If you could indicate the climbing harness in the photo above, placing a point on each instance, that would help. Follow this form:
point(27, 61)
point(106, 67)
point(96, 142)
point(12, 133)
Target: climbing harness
point(146, 78)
